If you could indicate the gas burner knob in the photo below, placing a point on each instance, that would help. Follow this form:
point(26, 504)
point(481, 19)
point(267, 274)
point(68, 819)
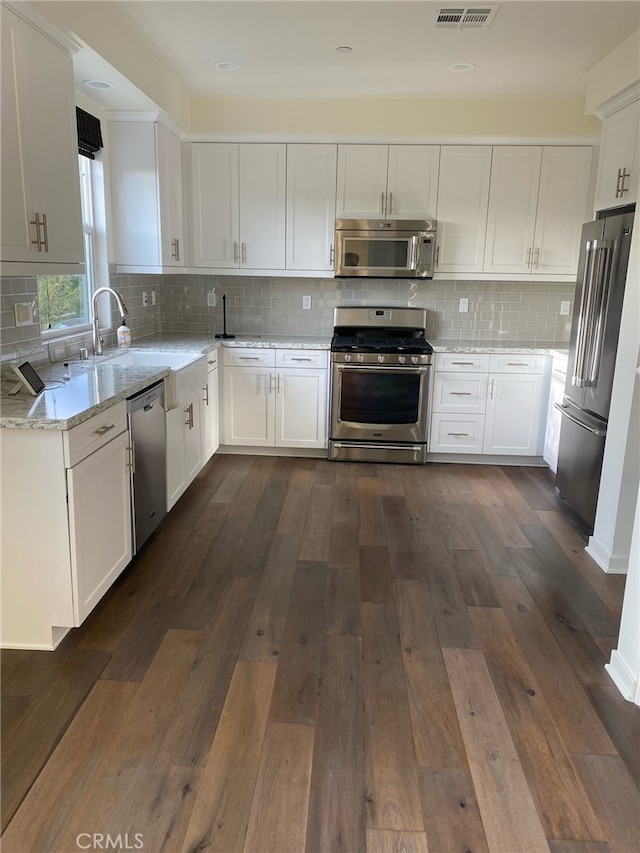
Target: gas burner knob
point(380, 359)
point(401, 359)
point(361, 358)
point(414, 359)
point(347, 357)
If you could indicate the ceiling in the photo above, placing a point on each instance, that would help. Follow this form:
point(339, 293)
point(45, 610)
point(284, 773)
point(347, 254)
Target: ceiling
point(287, 48)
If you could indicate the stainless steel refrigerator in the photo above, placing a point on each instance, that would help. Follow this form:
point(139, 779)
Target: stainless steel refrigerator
point(597, 309)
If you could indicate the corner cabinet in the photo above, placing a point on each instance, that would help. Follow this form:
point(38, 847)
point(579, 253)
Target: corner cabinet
point(41, 218)
point(210, 408)
point(275, 398)
point(538, 201)
point(66, 497)
point(238, 205)
point(387, 181)
point(146, 196)
point(619, 158)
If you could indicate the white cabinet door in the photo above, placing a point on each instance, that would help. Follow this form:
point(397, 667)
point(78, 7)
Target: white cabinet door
point(514, 414)
point(169, 167)
point(311, 206)
point(262, 200)
point(563, 207)
point(214, 192)
point(99, 522)
point(176, 468)
point(412, 181)
point(301, 408)
point(192, 436)
point(463, 193)
point(362, 181)
point(39, 164)
point(146, 195)
point(617, 182)
point(210, 414)
point(249, 401)
point(513, 200)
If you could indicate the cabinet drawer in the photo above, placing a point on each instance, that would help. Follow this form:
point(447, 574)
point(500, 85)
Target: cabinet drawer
point(250, 356)
point(301, 358)
point(88, 436)
point(455, 392)
point(518, 363)
point(212, 358)
point(458, 434)
point(462, 361)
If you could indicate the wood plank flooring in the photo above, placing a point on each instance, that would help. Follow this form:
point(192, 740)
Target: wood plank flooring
point(335, 657)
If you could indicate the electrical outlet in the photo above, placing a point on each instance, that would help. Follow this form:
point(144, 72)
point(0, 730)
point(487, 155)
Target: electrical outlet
point(565, 307)
point(306, 302)
point(211, 298)
point(153, 297)
point(145, 298)
point(464, 306)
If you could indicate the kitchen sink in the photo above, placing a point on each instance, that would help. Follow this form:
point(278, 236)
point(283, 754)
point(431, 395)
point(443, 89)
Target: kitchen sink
point(143, 358)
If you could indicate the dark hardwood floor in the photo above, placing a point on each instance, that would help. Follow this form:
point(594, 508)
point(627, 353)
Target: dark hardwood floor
point(315, 656)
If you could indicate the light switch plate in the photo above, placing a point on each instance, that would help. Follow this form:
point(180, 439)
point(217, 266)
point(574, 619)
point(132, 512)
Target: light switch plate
point(306, 302)
point(565, 307)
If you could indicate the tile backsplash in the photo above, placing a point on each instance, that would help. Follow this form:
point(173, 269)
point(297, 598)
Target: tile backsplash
point(515, 311)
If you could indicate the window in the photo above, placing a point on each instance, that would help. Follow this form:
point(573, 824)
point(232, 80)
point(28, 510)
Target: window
point(65, 300)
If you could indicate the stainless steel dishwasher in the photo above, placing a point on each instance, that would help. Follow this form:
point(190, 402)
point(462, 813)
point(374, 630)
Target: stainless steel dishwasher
point(145, 415)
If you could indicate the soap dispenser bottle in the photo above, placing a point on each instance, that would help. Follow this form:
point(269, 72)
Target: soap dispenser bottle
point(124, 334)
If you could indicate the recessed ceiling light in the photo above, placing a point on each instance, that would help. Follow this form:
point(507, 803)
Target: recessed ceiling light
point(226, 66)
point(461, 66)
point(97, 84)
point(344, 48)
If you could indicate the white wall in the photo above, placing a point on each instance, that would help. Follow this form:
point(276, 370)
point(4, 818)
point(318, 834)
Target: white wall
point(616, 72)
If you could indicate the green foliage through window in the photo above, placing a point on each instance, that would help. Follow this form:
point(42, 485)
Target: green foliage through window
point(63, 301)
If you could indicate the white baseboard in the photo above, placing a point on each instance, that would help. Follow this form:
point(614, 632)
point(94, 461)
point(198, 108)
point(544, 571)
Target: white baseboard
point(610, 563)
point(623, 678)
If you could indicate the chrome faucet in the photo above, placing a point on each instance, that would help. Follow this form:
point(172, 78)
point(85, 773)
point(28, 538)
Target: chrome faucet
point(95, 320)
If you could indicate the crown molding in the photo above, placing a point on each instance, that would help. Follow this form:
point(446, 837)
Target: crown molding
point(62, 38)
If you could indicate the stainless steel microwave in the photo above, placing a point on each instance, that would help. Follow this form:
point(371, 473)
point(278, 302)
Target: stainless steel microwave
point(385, 248)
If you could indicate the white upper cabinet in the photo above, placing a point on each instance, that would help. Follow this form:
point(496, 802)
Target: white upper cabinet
point(463, 193)
point(538, 201)
point(617, 182)
point(387, 181)
point(238, 194)
point(41, 218)
point(146, 196)
point(311, 206)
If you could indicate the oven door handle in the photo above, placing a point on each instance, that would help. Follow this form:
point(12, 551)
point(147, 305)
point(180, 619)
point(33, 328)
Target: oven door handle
point(384, 368)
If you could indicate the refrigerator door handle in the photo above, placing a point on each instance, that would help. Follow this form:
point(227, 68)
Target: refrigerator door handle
point(564, 411)
point(595, 287)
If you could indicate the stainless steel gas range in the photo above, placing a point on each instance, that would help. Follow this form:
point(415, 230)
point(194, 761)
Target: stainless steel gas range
point(380, 378)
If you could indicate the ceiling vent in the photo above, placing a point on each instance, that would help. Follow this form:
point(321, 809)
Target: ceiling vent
point(461, 17)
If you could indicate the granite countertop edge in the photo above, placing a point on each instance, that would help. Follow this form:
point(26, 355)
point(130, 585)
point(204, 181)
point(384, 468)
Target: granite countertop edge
point(21, 412)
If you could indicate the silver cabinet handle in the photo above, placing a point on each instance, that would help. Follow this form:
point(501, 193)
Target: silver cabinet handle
point(622, 177)
point(536, 261)
point(272, 383)
point(205, 399)
point(131, 462)
point(210, 362)
point(464, 363)
point(105, 429)
point(45, 239)
point(460, 393)
point(175, 249)
point(299, 358)
point(332, 255)
point(243, 256)
point(390, 207)
point(518, 364)
point(437, 257)
point(235, 252)
point(189, 413)
point(529, 251)
point(280, 383)
point(382, 203)
point(463, 434)
point(36, 222)
point(248, 358)
point(563, 410)
point(491, 389)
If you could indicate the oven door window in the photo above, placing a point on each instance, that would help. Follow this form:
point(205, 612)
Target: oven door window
point(370, 397)
point(380, 253)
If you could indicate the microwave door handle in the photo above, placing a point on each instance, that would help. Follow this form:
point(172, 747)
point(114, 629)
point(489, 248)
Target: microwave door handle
point(413, 261)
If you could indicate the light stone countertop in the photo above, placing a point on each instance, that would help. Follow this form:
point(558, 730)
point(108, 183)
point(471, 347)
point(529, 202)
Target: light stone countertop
point(95, 384)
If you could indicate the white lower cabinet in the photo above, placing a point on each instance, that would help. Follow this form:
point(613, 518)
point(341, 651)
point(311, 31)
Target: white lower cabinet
point(66, 501)
point(488, 404)
point(184, 430)
point(554, 418)
point(275, 398)
point(210, 408)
